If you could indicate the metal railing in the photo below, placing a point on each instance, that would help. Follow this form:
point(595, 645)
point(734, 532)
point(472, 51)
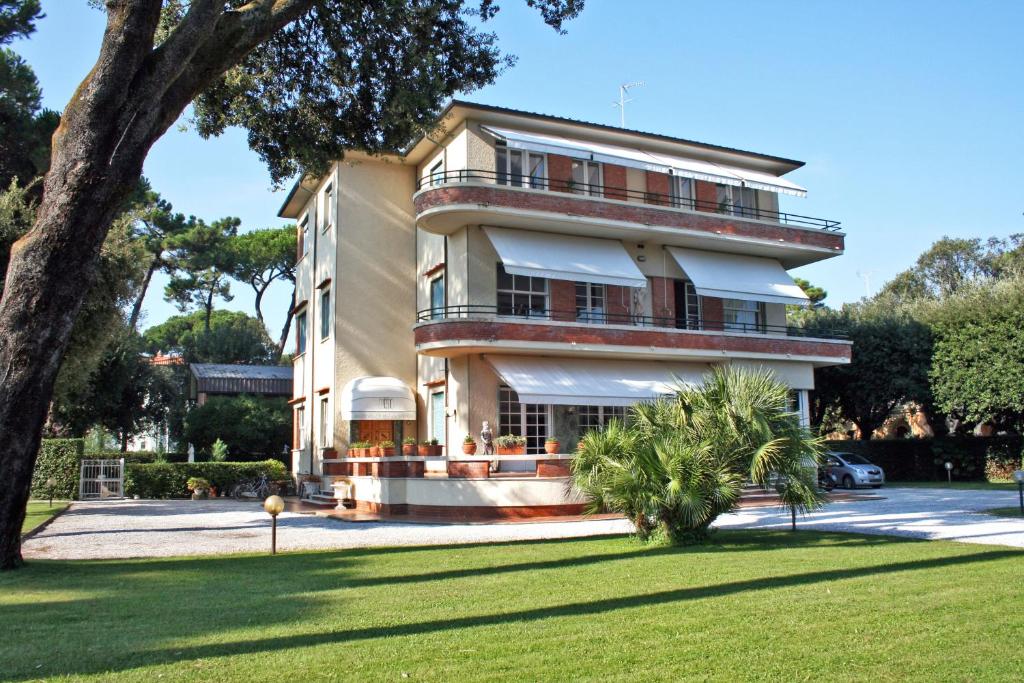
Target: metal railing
point(590, 317)
point(545, 183)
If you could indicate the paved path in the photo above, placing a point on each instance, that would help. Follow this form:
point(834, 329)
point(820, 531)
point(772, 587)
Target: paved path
point(117, 529)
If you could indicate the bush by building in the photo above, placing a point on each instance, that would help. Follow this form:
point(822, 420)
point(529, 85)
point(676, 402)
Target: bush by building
point(59, 459)
point(170, 480)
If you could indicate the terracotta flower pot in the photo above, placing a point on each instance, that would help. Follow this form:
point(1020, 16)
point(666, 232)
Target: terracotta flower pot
point(551, 447)
point(408, 449)
point(388, 452)
point(511, 450)
point(353, 452)
point(374, 451)
point(469, 448)
point(423, 450)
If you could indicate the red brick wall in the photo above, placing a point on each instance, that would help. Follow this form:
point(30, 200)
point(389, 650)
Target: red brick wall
point(663, 297)
point(617, 305)
point(707, 196)
point(712, 312)
point(657, 187)
point(562, 299)
point(614, 181)
point(557, 203)
point(559, 172)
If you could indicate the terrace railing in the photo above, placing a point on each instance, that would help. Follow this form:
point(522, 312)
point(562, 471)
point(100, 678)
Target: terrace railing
point(545, 183)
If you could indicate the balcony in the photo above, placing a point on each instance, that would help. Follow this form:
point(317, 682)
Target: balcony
point(472, 329)
point(453, 199)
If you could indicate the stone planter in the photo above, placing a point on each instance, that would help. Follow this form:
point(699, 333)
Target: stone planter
point(200, 494)
point(513, 450)
point(551, 447)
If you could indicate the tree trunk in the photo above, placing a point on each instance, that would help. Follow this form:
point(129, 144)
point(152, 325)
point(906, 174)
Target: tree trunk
point(287, 327)
point(137, 308)
point(209, 311)
point(124, 440)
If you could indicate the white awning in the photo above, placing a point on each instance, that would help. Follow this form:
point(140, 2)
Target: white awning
point(565, 257)
point(733, 276)
point(648, 161)
point(377, 398)
point(592, 382)
point(793, 375)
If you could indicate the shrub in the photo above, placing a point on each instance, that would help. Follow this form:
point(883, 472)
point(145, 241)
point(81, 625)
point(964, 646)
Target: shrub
point(510, 441)
point(170, 480)
point(59, 459)
point(974, 458)
point(139, 456)
point(249, 424)
point(219, 451)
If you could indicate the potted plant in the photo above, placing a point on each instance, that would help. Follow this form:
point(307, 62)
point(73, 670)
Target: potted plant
point(469, 445)
point(408, 446)
point(510, 444)
point(373, 450)
point(199, 487)
point(435, 447)
point(387, 448)
point(551, 445)
point(424, 448)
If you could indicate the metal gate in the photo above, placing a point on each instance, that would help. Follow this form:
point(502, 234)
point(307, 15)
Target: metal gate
point(101, 479)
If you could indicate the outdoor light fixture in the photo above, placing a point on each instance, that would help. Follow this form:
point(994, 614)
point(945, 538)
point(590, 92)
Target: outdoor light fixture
point(273, 505)
point(949, 471)
point(50, 484)
point(1018, 476)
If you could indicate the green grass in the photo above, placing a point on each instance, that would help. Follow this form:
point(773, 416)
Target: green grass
point(750, 605)
point(1005, 512)
point(966, 485)
point(40, 511)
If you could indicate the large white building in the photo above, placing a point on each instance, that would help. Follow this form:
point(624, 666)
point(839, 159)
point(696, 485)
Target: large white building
point(540, 274)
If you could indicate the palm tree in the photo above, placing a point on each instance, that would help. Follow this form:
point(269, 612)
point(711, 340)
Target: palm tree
point(680, 462)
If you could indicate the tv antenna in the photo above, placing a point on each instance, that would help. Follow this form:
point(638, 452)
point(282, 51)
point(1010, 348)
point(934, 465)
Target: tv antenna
point(865, 275)
point(621, 104)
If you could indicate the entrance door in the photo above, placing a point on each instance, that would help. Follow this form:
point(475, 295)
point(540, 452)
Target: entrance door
point(687, 306)
point(376, 431)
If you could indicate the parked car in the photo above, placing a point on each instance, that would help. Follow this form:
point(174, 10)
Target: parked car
point(851, 470)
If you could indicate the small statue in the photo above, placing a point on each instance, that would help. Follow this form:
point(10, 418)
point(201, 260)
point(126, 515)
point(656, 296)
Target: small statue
point(487, 439)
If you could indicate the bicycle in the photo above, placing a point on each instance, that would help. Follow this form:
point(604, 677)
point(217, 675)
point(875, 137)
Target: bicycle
point(258, 489)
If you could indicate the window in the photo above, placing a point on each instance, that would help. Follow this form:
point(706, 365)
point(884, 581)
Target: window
point(522, 295)
point(586, 177)
point(436, 174)
point(330, 205)
point(437, 417)
point(736, 201)
point(522, 419)
point(325, 424)
point(597, 417)
point(325, 313)
point(687, 306)
point(590, 303)
point(304, 236)
point(520, 168)
point(300, 427)
point(300, 333)
point(437, 298)
point(682, 192)
point(742, 315)
point(798, 404)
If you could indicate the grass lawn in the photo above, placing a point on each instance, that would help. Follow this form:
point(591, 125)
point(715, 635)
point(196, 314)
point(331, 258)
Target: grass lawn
point(1005, 512)
point(751, 605)
point(966, 485)
point(40, 511)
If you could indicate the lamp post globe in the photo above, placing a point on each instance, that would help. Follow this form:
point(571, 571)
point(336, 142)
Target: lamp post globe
point(274, 505)
point(949, 471)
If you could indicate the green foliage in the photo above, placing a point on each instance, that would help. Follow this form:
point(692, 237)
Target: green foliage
point(197, 484)
point(974, 458)
point(137, 456)
point(200, 260)
point(261, 257)
point(219, 451)
point(59, 459)
point(680, 463)
point(249, 424)
point(510, 441)
point(18, 19)
point(170, 480)
point(233, 337)
point(977, 372)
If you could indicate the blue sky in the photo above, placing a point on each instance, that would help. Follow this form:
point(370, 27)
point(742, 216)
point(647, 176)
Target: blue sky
point(908, 114)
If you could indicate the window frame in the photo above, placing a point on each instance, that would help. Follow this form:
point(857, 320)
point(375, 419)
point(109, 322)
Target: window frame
point(304, 236)
point(692, 321)
point(435, 175)
point(731, 207)
point(301, 331)
point(526, 177)
point(589, 315)
point(507, 396)
point(676, 194)
point(528, 293)
point(437, 312)
point(441, 438)
point(326, 435)
point(330, 204)
point(325, 313)
point(757, 327)
point(585, 187)
point(300, 435)
point(603, 415)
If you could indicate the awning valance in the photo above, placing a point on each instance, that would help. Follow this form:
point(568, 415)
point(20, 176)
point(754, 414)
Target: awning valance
point(648, 161)
point(377, 398)
point(593, 382)
point(793, 375)
point(565, 257)
point(734, 276)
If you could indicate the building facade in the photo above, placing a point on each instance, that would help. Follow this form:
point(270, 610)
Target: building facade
point(538, 274)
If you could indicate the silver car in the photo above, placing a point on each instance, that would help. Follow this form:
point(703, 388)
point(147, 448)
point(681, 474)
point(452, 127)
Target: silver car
point(851, 470)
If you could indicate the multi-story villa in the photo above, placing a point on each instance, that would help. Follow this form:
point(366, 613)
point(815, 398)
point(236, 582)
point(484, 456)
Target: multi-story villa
point(540, 274)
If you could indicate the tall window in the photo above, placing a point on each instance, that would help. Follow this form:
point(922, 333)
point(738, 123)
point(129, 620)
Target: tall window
point(687, 306)
point(300, 333)
point(522, 295)
point(304, 236)
point(522, 419)
point(590, 302)
point(326, 437)
point(300, 427)
point(327, 215)
point(586, 177)
point(520, 168)
point(325, 313)
point(437, 429)
point(736, 201)
point(436, 173)
point(597, 417)
point(742, 315)
point(437, 298)
point(682, 192)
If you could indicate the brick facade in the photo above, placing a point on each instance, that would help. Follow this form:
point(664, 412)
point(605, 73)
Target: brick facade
point(663, 297)
point(657, 187)
point(559, 172)
point(561, 204)
point(614, 181)
point(712, 312)
point(706, 195)
point(562, 299)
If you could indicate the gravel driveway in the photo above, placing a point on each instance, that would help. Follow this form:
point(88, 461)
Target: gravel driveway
point(129, 528)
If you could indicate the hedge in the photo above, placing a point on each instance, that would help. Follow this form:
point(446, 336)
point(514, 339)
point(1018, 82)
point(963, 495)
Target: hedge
point(58, 458)
point(138, 456)
point(974, 458)
point(168, 480)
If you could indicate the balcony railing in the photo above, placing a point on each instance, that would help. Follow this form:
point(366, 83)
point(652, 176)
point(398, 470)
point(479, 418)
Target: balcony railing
point(536, 182)
point(590, 317)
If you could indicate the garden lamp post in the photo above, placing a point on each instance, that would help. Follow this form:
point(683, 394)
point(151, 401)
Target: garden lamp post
point(949, 471)
point(50, 484)
point(273, 505)
point(1018, 476)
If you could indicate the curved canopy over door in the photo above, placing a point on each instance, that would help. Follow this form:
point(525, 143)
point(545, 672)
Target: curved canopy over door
point(377, 398)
